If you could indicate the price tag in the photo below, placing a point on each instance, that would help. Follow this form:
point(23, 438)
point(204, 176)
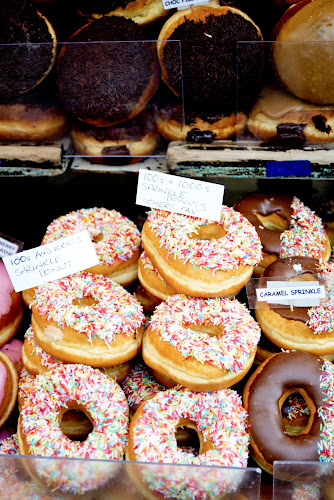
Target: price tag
point(9, 246)
point(51, 261)
point(181, 4)
point(303, 294)
point(180, 194)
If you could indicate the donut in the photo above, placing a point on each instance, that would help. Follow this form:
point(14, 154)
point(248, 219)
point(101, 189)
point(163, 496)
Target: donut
point(13, 350)
point(87, 319)
point(220, 422)
point(11, 308)
point(107, 83)
point(202, 344)
point(305, 68)
point(35, 115)
point(122, 144)
point(276, 110)
point(9, 380)
point(27, 48)
point(202, 258)
point(141, 12)
point(65, 387)
point(152, 281)
point(147, 301)
point(209, 59)
point(295, 414)
point(9, 445)
point(306, 328)
point(264, 394)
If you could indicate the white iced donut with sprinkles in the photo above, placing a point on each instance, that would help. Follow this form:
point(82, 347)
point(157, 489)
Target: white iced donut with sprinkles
point(199, 257)
point(202, 344)
point(220, 422)
point(87, 318)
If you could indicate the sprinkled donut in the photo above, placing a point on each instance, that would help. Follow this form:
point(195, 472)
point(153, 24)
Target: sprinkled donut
point(9, 445)
point(264, 394)
point(220, 422)
point(151, 280)
point(202, 258)
point(87, 318)
point(202, 344)
point(66, 387)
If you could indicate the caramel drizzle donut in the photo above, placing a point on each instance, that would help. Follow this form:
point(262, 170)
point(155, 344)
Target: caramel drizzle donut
point(87, 317)
point(264, 394)
point(200, 257)
point(116, 240)
point(306, 235)
point(203, 344)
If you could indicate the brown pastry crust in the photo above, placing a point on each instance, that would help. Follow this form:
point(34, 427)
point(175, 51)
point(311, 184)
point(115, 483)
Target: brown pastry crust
point(152, 281)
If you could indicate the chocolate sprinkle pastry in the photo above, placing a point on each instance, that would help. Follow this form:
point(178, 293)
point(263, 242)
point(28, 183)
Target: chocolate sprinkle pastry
point(105, 80)
point(201, 136)
point(216, 71)
point(289, 136)
point(30, 51)
point(320, 124)
point(88, 7)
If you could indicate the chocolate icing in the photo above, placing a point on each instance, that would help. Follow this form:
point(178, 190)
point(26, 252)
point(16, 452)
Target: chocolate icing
point(289, 136)
point(116, 155)
point(281, 373)
point(23, 63)
point(320, 124)
point(106, 80)
point(285, 269)
point(265, 204)
point(202, 136)
point(215, 72)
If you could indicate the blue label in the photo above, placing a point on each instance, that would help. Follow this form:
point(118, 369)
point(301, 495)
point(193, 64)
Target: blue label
point(301, 168)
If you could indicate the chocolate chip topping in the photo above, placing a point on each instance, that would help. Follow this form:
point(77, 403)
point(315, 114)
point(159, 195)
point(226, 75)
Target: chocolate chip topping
point(320, 124)
point(197, 135)
point(106, 80)
point(289, 136)
point(87, 7)
point(216, 71)
point(29, 54)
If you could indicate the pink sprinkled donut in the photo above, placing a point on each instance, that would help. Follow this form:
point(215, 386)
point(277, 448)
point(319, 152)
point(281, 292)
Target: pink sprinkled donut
point(87, 318)
point(202, 344)
point(202, 258)
point(220, 422)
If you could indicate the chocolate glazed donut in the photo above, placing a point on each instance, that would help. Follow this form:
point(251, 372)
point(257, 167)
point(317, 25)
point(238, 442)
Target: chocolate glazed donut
point(264, 394)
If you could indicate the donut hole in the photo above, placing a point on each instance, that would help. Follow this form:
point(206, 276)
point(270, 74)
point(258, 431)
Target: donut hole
point(75, 424)
point(208, 328)
point(208, 232)
point(274, 222)
point(188, 438)
point(297, 411)
point(85, 301)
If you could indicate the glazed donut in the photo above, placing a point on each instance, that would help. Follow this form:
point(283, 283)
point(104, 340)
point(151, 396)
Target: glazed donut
point(36, 115)
point(264, 394)
point(276, 109)
point(14, 351)
point(27, 47)
point(152, 281)
point(141, 12)
point(209, 36)
point(122, 144)
point(87, 319)
point(305, 69)
point(220, 422)
point(9, 380)
point(202, 258)
point(67, 387)
point(107, 83)
point(306, 328)
point(202, 344)
point(11, 308)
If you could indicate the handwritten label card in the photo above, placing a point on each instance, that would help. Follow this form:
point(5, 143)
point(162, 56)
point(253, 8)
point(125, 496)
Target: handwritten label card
point(180, 194)
point(172, 4)
point(51, 261)
point(301, 294)
point(9, 246)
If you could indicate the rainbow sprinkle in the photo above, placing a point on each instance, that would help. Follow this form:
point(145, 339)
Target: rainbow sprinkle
point(120, 236)
point(297, 407)
point(116, 311)
point(10, 446)
point(239, 246)
point(173, 318)
point(326, 413)
point(322, 316)
point(46, 359)
point(140, 384)
point(306, 235)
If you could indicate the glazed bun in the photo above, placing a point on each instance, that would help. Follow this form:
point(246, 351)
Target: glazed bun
point(27, 48)
point(107, 83)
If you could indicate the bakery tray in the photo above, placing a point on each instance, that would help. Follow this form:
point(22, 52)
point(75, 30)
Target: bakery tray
point(248, 159)
point(80, 164)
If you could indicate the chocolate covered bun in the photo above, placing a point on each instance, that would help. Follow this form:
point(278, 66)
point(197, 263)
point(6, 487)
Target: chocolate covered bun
point(306, 69)
point(276, 109)
point(107, 83)
point(27, 47)
point(216, 72)
point(140, 11)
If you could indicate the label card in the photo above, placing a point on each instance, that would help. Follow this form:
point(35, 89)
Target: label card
point(9, 246)
point(181, 4)
point(297, 294)
point(180, 194)
point(51, 261)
